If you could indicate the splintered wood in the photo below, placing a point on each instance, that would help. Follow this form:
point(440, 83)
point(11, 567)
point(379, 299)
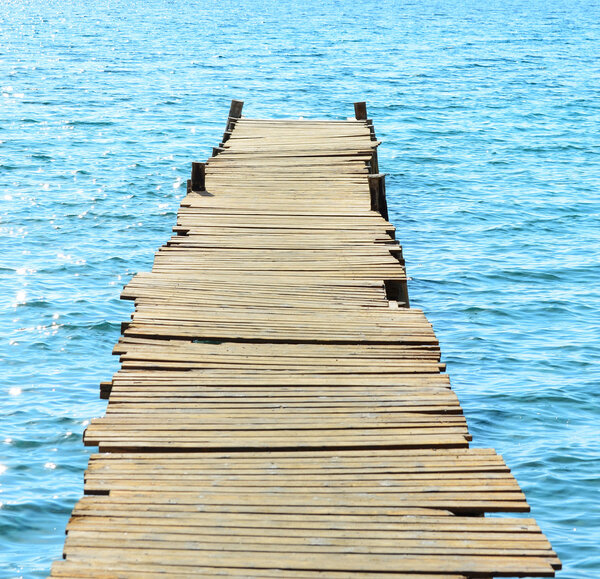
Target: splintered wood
point(280, 410)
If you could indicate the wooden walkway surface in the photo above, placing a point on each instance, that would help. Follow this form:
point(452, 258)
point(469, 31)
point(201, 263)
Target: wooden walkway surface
point(280, 411)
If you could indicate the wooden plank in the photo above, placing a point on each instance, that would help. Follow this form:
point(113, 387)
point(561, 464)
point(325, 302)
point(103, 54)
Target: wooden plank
point(473, 565)
point(71, 570)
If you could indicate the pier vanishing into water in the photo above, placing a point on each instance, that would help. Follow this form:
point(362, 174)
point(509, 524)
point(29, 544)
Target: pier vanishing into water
point(280, 410)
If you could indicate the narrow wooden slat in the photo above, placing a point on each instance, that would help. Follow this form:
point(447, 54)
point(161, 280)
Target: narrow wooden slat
point(110, 570)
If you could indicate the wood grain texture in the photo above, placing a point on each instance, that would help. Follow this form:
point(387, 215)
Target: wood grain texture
point(280, 410)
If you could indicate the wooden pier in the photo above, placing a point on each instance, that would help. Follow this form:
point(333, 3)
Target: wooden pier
point(280, 410)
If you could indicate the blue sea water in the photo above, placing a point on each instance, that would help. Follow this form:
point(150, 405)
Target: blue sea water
point(489, 113)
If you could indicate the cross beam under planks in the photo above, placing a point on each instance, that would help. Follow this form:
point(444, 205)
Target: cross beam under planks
point(280, 410)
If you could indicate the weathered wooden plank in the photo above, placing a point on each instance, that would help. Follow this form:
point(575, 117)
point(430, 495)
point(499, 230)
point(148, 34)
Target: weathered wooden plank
point(118, 570)
point(473, 565)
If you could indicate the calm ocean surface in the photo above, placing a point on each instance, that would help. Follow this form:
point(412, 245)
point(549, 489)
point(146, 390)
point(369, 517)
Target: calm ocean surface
point(489, 113)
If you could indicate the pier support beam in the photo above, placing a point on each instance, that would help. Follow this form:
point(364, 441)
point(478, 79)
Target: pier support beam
point(235, 113)
point(378, 199)
point(198, 177)
point(360, 111)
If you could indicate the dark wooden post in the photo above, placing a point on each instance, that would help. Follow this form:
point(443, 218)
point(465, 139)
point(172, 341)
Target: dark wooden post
point(374, 163)
point(383, 199)
point(397, 290)
point(403, 295)
point(372, 129)
point(198, 176)
point(235, 112)
point(374, 190)
point(360, 111)
point(377, 190)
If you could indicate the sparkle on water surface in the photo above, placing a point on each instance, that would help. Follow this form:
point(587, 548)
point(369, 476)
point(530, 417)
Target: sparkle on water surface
point(489, 114)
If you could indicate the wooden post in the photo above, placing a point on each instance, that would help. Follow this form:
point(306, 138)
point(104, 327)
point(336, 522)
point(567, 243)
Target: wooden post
point(397, 290)
point(377, 190)
point(105, 390)
point(189, 186)
point(198, 176)
point(360, 111)
point(383, 199)
point(235, 112)
point(403, 297)
point(374, 163)
point(372, 129)
point(374, 190)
